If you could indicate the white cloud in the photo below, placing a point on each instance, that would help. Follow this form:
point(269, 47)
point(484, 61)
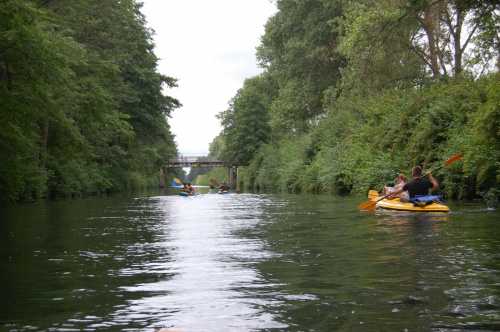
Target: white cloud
point(209, 46)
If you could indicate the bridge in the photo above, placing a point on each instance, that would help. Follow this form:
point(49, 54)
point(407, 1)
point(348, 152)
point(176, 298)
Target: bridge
point(200, 161)
point(197, 161)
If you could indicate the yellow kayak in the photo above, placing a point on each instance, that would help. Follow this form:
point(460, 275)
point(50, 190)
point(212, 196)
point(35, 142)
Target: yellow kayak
point(396, 204)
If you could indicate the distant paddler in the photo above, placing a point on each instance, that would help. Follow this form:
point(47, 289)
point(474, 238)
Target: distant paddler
point(190, 188)
point(224, 186)
point(227, 188)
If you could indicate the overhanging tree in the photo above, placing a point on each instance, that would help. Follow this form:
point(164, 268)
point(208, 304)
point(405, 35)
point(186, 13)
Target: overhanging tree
point(298, 51)
point(245, 123)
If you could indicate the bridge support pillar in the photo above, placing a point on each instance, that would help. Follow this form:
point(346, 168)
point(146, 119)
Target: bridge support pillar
point(233, 176)
point(162, 177)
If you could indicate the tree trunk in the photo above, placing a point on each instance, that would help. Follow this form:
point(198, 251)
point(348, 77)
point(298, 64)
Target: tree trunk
point(457, 36)
point(45, 138)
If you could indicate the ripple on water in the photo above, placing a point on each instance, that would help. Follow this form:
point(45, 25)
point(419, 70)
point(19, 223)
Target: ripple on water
point(247, 263)
point(209, 276)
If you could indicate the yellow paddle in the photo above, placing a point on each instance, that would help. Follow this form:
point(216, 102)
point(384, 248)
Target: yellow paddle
point(370, 205)
point(177, 180)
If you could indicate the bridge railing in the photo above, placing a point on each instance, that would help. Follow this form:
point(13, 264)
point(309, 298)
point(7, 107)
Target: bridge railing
point(197, 161)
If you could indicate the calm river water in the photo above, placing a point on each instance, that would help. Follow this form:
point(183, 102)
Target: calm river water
point(249, 262)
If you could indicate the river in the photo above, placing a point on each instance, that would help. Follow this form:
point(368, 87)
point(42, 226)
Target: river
point(248, 262)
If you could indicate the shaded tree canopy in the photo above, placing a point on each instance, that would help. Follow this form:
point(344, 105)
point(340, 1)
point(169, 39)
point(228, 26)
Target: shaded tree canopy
point(83, 109)
point(245, 123)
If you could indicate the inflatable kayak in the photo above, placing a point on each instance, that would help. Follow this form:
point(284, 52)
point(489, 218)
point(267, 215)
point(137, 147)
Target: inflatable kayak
point(417, 206)
point(223, 192)
point(187, 193)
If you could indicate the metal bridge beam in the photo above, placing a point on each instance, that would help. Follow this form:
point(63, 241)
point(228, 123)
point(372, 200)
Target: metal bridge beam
point(197, 161)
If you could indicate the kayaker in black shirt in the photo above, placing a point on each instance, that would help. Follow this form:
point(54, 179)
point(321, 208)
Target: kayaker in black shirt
point(224, 186)
point(418, 186)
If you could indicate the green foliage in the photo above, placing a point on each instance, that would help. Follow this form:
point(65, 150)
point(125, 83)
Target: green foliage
point(245, 123)
point(196, 173)
point(218, 174)
point(299, 54)
point(262, 172)
point(479, 139)
point(75, 179)
point(217, 146)
point(20, 179)
point(282, 167)
point(357, 149)
point(375, 39)
point(81, 99)
point(397, 104)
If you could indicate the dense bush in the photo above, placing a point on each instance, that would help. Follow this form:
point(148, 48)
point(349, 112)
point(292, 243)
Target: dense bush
point(394, 133)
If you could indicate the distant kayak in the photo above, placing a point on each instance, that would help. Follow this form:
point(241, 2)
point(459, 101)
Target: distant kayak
point(223, 192)
point(396, 204)
point(187, 193)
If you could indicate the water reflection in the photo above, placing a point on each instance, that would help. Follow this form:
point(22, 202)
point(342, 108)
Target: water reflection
point(444, 274)
point(246, 263)
point(209, 280)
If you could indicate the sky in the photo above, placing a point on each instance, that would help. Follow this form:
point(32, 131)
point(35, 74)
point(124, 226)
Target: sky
point(209, 46)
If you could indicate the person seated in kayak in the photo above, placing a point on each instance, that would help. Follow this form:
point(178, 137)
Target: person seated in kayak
point(190, 188)
point(401, 181)
point(417, 186)
point(185, 188)
point(224, 186)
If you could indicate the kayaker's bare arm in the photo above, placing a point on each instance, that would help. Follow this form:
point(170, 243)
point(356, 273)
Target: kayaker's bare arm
point(395, 192)
point(433, 180)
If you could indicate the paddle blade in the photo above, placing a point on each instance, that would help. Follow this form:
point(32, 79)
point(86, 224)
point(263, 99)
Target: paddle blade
point(177, 181)
point(175, 184)
point(449, 161)
point(452, 160)
point(372, 194)
point(214, 182)
point(369, 205)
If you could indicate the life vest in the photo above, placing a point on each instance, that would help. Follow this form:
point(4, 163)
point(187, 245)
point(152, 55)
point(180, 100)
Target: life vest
point(423, 200)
